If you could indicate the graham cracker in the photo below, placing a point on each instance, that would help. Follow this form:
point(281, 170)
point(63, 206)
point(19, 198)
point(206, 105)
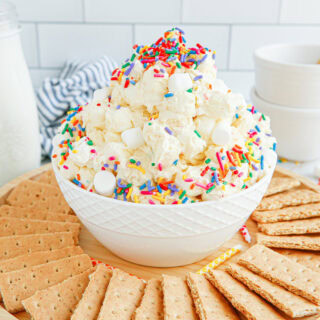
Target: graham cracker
point(283, 271)
point(19, 285)
point(35, 258)
point(289, 198)
point(280, 184)
point(151, 306)
point(58, 301)
point(310, 242)
point(17, 226)
point(291, 304)
point(290, 227)
point(122, 297)
point(244, 300)
point(35, 214)
point(209, 302)
point(177, 300)
point(286, 214)
point(13, 246)
point(48, 177)
point(308, 259)
point(38, 195)
point(90, 304)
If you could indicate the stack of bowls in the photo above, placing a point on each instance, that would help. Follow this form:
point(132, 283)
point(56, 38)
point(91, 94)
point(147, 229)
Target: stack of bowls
point(287, 89)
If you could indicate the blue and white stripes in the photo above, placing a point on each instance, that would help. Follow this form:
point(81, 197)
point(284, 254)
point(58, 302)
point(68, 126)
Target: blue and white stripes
point(74, 86)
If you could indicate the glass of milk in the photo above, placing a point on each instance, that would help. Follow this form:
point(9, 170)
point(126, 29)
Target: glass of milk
point(19, 128)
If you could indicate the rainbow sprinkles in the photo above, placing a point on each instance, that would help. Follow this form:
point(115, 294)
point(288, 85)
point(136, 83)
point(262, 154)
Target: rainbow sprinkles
point(166, 131)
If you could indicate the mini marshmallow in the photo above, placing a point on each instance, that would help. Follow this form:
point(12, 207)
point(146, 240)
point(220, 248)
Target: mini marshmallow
point(83, 154)
point(270, 157)
point(133, 138)
point(179, 82)
point(221, 134)
point(205, 125)
point(104, 182)
point(317, 170)
point(100, 94)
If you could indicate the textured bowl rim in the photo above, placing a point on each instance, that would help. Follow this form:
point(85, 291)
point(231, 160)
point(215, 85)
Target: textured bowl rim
point(260, 57)
point(267, 176)
point(157, 236)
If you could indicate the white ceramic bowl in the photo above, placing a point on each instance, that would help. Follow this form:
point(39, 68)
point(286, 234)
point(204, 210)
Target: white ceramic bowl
point(297, 130)
point(163, 235)
point(288, 74)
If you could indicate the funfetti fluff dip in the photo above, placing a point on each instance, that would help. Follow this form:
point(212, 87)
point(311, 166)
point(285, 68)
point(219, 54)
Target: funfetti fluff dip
point(166, 131)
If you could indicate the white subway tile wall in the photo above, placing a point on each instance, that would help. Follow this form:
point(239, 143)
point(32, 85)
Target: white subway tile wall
point(300, 11)
point(50, 10)
point(59, 42)
point(132, 11)
point(55, 30)
point(29, 43)
point(230, 11)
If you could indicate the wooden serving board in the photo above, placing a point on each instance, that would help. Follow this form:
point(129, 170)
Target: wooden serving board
point(93, 248)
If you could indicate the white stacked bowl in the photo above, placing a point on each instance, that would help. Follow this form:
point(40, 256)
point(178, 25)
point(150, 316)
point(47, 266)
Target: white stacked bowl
point(163, 235)
point(287, 89)
point(297, 129)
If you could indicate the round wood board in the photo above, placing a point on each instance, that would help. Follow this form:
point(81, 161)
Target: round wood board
point(95, 250)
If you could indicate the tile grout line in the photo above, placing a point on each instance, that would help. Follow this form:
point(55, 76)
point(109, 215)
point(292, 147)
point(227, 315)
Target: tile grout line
point(181, 11)
point(236, 70)
point(44, 68)
point(133, 34)
point(83, 11)
point(279, 11)
point(200, 24)
point(229, 47)
point(38, 44)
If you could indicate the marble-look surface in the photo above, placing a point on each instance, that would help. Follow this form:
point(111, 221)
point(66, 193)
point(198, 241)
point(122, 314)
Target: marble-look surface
point(303, 168)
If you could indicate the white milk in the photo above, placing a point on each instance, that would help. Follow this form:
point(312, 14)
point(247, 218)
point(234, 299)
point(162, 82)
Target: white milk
point(19, 128)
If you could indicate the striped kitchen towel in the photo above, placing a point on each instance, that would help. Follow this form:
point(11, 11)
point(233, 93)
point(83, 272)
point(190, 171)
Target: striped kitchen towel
point(74, 86)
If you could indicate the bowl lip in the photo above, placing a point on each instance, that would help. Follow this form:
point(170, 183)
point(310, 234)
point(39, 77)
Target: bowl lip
point(301, 110)
point(267, 176)
point(259, 57)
